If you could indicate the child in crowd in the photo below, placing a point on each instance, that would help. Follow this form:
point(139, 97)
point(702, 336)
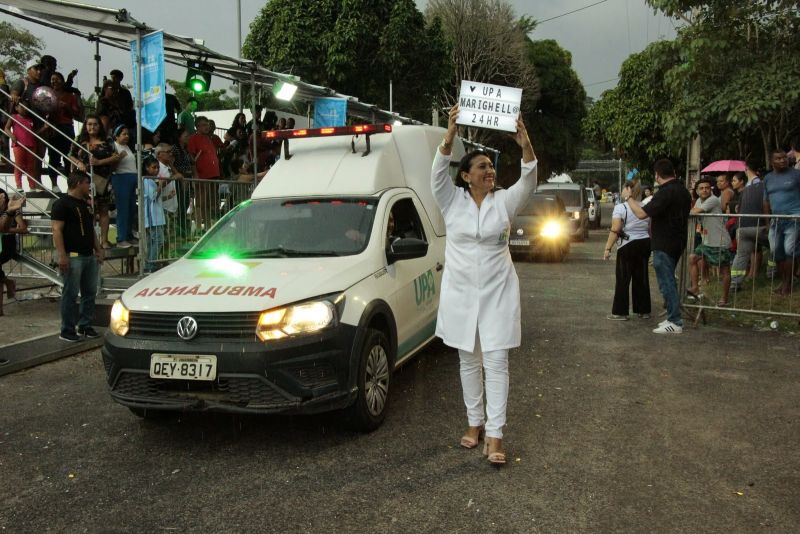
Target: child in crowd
point(154, 218)
point(23, 142)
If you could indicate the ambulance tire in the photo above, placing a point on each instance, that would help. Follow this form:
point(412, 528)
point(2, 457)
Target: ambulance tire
point(372, 381)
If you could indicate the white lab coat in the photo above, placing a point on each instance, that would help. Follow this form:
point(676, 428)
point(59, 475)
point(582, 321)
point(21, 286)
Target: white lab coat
point(479, 285)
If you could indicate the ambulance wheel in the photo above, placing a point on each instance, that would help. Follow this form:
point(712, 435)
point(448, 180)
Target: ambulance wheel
point(373, 379)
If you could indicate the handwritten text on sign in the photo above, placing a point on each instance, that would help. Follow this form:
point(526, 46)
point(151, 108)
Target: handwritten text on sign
point(489, 106)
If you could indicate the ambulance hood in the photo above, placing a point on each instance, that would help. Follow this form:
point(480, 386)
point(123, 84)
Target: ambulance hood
point(226, 285)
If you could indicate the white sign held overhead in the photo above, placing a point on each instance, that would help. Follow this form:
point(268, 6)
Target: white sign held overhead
point(489, 106)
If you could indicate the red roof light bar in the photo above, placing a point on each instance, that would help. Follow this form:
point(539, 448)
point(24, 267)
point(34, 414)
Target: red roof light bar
point(328, 131)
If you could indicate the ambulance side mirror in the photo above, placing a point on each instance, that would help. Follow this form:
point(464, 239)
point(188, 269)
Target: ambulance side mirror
point(406, 248)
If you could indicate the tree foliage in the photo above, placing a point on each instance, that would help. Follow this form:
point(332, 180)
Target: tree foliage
point(730, 75)
point(17, 47)
point(555, 123)
point(737, 76)
point(497, 56)
point(356, 47)
point(630, 118)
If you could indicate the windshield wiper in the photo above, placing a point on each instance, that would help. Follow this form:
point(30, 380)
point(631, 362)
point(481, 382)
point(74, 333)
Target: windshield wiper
point(282, 252)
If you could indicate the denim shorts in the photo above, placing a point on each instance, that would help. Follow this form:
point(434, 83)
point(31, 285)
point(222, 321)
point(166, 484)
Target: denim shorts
point(783, 236)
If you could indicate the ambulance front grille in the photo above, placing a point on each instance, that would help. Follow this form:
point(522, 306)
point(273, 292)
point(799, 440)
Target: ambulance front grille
point(209, 325)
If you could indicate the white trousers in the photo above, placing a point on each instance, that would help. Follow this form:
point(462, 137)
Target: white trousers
point(494, 365)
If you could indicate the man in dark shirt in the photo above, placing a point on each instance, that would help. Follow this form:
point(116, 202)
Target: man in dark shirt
point(669, 216)
point(79, 256)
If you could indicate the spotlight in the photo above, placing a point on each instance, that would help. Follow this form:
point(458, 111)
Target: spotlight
point(198, 76)
point(283, 90)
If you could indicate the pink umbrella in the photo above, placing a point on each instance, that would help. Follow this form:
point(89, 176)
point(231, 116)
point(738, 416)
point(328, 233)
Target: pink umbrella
point(725, 165)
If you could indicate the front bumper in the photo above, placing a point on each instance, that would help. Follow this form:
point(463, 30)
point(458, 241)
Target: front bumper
point(308, 374)
point(536, 244)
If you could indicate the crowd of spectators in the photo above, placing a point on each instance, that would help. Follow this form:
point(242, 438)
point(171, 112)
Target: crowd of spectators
point(737, 246)
point(199, 161)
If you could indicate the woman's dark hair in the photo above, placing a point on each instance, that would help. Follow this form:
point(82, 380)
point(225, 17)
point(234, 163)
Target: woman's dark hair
point(741, 176)
point(149, 160)
point(465, 164)
point(235, 122)
point(118, 130)
point(84, 135)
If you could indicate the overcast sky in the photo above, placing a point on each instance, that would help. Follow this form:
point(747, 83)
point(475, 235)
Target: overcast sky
point(599, 37)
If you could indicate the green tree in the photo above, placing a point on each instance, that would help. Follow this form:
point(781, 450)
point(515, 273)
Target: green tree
point(555, 123)
point(208, 101)
point(630, 118)
point(355, 47)
point(498, 56)
point(738, 77)
point(17, 47)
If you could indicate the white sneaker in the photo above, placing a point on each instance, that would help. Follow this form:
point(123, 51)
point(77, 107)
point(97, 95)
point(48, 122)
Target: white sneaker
point(668, 328)
point(55, 189)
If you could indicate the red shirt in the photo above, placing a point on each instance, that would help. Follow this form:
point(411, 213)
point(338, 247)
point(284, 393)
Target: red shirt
point(207, 163)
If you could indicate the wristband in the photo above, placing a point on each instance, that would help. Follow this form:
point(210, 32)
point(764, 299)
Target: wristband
point(445, 145)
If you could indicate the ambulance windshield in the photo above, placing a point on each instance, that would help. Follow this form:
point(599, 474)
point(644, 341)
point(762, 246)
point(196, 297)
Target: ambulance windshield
point(284, 228)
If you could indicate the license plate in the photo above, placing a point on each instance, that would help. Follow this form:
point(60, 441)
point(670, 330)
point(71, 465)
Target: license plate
point(523, 242)
point(183, 366)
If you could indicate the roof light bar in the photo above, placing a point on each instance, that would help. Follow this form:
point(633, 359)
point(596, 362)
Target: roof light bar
point(328, 131)
point(359, 129)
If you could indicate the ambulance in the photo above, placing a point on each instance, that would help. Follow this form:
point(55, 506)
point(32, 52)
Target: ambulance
point(304, 298)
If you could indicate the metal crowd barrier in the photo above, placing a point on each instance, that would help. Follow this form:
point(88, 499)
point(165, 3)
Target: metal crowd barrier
point(749, 269)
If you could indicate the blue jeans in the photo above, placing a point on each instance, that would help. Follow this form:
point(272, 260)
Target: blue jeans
point(155, 240)
point(124, 185)
point(664, 265)
point(81, 276)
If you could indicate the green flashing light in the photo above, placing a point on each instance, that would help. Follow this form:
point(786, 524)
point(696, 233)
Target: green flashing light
point(226, 265)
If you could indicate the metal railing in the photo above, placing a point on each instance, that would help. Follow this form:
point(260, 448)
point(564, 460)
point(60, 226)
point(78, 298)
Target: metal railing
point(752, 267)
point(36, 249)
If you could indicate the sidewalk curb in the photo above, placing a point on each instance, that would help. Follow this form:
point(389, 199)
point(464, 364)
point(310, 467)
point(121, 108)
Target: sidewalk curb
point(41, 349)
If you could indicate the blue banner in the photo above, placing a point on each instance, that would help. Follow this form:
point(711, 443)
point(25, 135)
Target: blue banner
point(153, 96)
point(329, 112)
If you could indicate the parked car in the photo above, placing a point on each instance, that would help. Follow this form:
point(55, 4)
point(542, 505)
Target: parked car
point(541, 229)
point(574, 198)
point(594, 208)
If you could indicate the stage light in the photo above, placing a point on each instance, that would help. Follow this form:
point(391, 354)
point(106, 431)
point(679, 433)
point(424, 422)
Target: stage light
point(198, 76)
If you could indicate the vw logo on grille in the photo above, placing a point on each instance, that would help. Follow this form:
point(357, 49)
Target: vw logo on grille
point(187, 328)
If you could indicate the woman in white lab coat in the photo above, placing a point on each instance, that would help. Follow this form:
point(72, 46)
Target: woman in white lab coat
point(479, 309)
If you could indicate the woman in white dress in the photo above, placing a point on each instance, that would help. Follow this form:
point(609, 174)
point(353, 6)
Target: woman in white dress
point(479, 309)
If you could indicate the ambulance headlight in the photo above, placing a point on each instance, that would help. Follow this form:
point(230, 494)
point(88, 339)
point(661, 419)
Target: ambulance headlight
point(301, 319)
point(119, 323)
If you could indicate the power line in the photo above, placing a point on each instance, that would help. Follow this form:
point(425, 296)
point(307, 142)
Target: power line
point(570, 12)
point(598, 83)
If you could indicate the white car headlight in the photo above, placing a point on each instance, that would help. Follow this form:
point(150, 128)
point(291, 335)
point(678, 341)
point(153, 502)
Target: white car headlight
point(551, 229)
point(119, 323)
point(300, 319)
point(576, 215)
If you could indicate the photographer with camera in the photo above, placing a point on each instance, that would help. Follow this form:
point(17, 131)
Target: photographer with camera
point(632, 236)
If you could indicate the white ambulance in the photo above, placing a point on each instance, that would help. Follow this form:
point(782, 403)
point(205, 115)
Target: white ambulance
point(304, 298)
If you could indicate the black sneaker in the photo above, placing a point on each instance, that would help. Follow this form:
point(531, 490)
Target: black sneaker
point(72, 337)
point(88, 332)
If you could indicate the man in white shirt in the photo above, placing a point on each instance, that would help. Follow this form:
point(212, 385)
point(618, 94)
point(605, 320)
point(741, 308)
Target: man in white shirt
point(715, 246)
